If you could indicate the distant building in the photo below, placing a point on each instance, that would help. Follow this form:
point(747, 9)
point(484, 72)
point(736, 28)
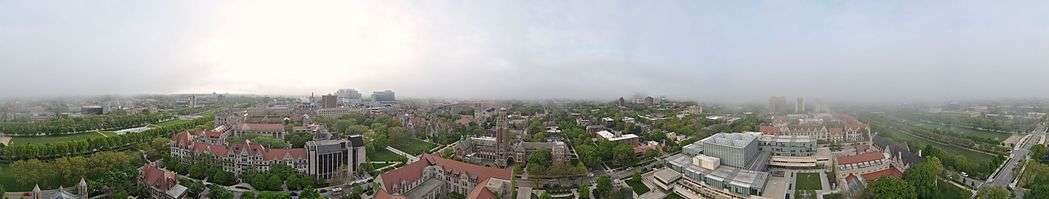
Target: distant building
point(329, 101)
point(348, 94)
point(91, 110)
point(799, 106)
point(777, 104)
point(384, 96)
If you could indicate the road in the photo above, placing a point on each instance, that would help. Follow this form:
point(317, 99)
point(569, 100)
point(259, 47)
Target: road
point(1004, 176)
point(1016, 156)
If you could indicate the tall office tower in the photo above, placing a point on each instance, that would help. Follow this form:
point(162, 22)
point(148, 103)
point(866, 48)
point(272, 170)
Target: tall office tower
point(799, 107)
point(329, 101)
point(384, 96)
point(348, 94)
point(777, 104)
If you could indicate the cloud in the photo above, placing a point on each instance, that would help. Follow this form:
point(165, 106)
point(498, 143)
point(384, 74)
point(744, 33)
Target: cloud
point(871, 51)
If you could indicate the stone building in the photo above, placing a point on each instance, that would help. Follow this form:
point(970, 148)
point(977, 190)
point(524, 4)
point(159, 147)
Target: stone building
point(433, 177)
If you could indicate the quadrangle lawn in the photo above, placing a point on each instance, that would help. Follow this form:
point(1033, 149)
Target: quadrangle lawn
point(412, 146)
point(808, 181)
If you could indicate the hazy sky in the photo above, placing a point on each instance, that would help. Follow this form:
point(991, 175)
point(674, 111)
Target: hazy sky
point(707, 50)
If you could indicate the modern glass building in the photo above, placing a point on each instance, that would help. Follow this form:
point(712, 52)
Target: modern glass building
point(734, 149)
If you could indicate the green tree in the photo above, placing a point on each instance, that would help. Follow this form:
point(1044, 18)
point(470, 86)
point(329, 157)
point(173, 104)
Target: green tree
point(588, 155)
point(539, 160)
point(217, 192)
point(1038, 152)
point(891, 188)
point(274, 183)
point(604, 186)
point(544, 196)
point(993, 192)
point(248, 195)
point(924, 177)
point(584, 190)
point(310, 193)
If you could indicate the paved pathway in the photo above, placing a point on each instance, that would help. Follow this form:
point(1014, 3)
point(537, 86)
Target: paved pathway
point(411, 158)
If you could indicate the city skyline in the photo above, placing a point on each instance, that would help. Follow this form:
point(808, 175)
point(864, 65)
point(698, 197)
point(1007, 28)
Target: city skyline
point(717, 51)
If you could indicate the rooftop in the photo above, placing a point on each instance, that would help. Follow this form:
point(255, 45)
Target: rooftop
point(735, 140)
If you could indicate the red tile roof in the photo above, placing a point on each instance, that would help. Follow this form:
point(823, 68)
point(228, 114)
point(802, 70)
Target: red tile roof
point(768, 129)
point(248, 148)
point(154, 176)
point(278, 154)
point(413, 172)
point(213, 134)
point(860, 158)
point(836, 131)
point(481, 192)
point(891, 171)
point(209, 148)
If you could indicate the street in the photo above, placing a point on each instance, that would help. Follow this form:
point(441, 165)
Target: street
point(1004, 177)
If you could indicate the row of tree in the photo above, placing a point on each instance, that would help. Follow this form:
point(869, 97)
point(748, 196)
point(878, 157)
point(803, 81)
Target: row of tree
point(67, 125)
point(277, 178)
point(90, 145)
point(105, 171)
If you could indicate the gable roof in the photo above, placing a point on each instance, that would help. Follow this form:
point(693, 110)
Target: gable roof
point(413, 172)
point(860, 158)
point(891, 171)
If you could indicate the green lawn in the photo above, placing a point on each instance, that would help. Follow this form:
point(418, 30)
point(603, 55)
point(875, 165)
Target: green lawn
point(808, 181)
point(948, 190)
point(966, 131)
point(384, 155)
point(413, 146)
point(59, 138)
point(638, 186)
point(972, 156)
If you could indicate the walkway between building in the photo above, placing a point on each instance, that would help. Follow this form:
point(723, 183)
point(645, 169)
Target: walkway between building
point(411, 158)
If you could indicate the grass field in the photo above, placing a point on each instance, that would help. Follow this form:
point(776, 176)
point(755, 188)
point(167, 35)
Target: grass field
point(948, 190)
point(384, 155)
point(413, 146)
point(965, 131)
point(638, 186)
point(808, 181)
point(58, 138)
point(972, 156)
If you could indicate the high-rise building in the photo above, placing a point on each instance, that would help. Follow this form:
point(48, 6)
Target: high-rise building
point(329, 101)
point(384, 96)
point(799, 107)
point(348, 94)
point(327, 158)
point(777, 104)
